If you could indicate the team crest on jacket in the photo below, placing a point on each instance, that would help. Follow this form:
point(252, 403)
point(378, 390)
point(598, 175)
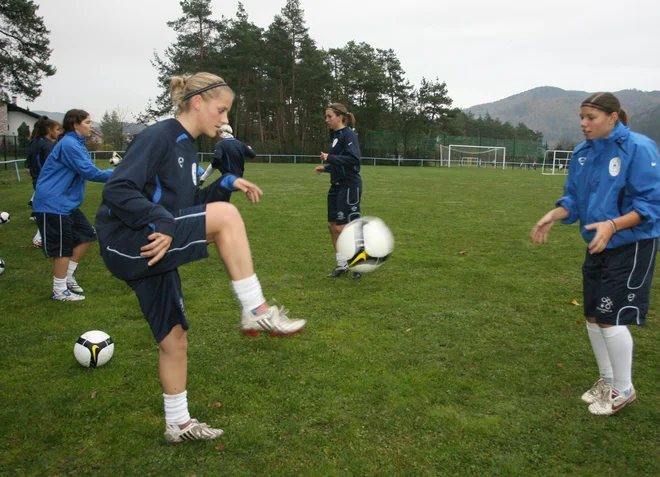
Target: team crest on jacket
point(581, 160)
point(615, 166)
point(194, 173)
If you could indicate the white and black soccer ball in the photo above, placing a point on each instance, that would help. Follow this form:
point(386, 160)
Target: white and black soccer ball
point(366, 243)
point(115, 159)
point(93, 349)
point(4, 217)
point(2, 266)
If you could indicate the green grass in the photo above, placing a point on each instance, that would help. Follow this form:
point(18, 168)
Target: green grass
point(438, 363)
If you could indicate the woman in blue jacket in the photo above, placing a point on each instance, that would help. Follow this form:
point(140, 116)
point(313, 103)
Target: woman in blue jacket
point(343, 163)
point(613, 189)
point(66, 232)
point(154, 218)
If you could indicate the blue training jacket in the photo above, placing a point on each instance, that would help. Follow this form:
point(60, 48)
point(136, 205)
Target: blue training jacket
point(156, 179)
point(229, 156)
point(344, 158)
point(61, 185)
point(611, 177)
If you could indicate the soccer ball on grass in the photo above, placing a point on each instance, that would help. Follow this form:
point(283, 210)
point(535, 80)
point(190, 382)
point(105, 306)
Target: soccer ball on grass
point(93, 349)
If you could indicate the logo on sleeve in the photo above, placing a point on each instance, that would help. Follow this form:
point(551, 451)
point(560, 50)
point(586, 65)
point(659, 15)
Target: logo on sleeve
point(334, 143)
point(615, 166)
point(181, 161)
point(194, 173)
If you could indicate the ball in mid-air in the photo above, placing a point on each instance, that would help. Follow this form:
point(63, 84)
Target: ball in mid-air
point(366, 243)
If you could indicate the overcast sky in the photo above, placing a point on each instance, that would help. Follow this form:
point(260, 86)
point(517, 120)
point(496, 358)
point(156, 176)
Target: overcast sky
point(484, 50)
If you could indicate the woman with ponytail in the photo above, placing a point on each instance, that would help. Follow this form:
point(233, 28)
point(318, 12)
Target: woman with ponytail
point(44, 135)
point(343, 163)
point(613, 189)
point(154, 218)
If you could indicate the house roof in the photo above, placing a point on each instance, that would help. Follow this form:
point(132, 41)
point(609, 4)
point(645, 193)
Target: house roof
point(18, 109)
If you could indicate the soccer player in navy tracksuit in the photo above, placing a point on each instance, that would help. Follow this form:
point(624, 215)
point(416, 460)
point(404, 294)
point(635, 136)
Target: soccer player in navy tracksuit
point(66, 232)
point(154, 218)
point(229, 157)
point(343, 163)
point(613, 189)
point(44, 136)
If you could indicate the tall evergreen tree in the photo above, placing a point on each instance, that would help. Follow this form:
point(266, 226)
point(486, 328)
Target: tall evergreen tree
point(112, 128)
point(24, 49)
point(196, 49)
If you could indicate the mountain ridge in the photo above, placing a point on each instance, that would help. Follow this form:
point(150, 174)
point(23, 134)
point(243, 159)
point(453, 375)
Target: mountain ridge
point(555, 112)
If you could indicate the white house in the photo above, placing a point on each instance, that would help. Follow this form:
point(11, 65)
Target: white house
point(14, 116)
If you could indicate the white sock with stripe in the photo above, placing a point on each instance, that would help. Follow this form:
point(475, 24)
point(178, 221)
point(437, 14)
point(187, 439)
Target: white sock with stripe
point(619, 344)
point(72, 269)
point(341, 261)
point(600, 351)
point(59, 285)
point(176, 408)
point(249, 293)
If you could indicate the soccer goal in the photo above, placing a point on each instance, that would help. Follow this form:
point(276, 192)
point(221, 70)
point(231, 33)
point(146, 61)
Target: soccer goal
point(476, 156)
point(556, 162)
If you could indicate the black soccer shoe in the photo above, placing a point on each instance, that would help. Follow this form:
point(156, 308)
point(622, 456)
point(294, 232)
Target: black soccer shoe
point(337, 272)
point(356, 276)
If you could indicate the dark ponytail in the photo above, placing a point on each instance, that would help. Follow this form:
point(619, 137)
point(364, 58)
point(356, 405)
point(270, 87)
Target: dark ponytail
point(608, 103)
point(42, 126)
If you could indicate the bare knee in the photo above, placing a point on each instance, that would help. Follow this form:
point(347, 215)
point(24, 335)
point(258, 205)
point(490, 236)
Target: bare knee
point(175, 343)
point(220, 215)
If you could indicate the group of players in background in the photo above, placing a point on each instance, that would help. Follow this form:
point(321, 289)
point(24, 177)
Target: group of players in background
point(154, 218)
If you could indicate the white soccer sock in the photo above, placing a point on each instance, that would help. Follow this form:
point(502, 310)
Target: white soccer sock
point(341, 261)
point(72, 269)
point(619, 344)
point(176, 408)
point(59, 285)
point(600, 350)
point(248, 291)
point(207, 173)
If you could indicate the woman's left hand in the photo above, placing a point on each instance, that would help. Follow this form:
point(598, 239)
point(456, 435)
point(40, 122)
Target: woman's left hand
point(604, 232)
point(251, 190)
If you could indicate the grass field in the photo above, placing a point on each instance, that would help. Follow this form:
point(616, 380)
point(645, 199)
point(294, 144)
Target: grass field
point(439, 363)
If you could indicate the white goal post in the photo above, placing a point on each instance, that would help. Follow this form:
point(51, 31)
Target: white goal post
point(556, 162)
point(476, 156)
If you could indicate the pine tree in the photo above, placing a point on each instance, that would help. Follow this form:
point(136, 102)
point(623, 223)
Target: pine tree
point(24, 49)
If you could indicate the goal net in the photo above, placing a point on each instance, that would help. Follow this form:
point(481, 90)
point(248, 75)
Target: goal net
point(460, 155)
point(556, 162)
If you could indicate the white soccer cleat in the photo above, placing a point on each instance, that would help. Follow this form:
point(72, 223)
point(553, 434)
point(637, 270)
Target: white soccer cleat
point(66, 295)
point(194, 431)
point(614, 403)
point(72, 285)
point(600, 391)
point(274, 321)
